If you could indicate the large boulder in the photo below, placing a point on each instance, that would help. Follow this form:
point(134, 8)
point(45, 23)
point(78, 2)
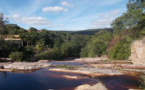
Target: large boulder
point(138, 52)
point(98, 86)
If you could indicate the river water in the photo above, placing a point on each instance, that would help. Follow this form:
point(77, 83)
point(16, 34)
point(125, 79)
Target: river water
point(41, 80)
point(44, 79)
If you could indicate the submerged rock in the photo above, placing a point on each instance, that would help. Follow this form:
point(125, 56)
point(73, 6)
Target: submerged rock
point(98, 86)
point(138, 52)
point(1, 67)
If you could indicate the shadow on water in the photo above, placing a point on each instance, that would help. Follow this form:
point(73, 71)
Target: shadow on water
point(122, 82)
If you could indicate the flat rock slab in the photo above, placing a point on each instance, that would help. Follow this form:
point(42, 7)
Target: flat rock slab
point(26, 65)
point(98, 86)
point(119, 66)
point(93, 72)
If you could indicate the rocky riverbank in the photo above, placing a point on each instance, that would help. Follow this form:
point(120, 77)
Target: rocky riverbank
point(93, 70)
point(24, 66)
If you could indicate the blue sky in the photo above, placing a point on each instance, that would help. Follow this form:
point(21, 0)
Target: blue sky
point(62, 14)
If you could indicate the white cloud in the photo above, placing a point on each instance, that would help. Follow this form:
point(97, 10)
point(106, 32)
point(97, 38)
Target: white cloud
point(104, 19)
point(110, 14)
point(64, 3)
point(30, 20)
point(54, 9)
point(101, 23)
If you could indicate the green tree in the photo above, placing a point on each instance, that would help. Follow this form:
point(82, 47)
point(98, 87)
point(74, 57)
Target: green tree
point(132, 19)
point(13, 29)
point(40, 45)
point(32, 29)
point(120, 51)
point(17, 56)
point(97, 45)
point(3, 23)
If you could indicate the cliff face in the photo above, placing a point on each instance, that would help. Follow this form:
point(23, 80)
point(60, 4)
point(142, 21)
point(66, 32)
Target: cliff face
point(138, 52)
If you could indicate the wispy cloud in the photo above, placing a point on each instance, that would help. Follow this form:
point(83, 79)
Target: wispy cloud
point(67, 14)
point(54, 9)
point(30, 20)
point(104, 19)
point(64, 3)
point(106, 2)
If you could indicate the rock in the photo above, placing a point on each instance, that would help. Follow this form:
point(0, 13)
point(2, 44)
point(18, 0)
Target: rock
point(1, 67)
point(92, 59)
point(27, 65)
point(98, 86)
point(43, 61)
point(138, 52)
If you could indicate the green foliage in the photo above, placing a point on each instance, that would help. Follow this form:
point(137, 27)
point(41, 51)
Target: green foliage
point(133, 19)
point(120, 51)
point(46, 44)
point(97, 45)
point(6, 47)
point(49, 54)
point(17, 56)
point(3, 23)
point(40, 45)
point(28, 52)
point(128, 27)
point(13, 29)
point(32, 29)
point(142, 81)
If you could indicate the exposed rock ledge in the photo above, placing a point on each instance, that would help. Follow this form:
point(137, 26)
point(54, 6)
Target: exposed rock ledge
point(98, 86)
point(92, 59)
point(25, 65)
point(138, 52)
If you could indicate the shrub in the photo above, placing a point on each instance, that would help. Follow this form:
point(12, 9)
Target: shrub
point(17, 56)
point(49, 54)
point(120, 51)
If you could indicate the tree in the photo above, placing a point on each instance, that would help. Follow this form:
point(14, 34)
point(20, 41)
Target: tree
point(132, 19)
point(3, 22)
point(97, 45)
point(40, 45)
point(17, 56)
point(13, 29)
point(32, 29)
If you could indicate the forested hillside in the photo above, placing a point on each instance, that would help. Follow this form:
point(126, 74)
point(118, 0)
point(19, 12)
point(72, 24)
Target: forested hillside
point(33, 44)
point(87, 32)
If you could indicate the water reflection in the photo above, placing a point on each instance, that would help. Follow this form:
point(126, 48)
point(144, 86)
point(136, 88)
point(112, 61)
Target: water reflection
point(41, 80)
point(3, 74)
point(122, 82)
point(44, 80)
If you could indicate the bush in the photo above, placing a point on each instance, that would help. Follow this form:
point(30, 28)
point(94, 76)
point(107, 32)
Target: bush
point(17, 56)
point(49, 54)
point(120, 51)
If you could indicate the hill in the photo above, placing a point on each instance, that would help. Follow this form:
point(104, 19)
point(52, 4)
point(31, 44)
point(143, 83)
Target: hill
point(86, 32)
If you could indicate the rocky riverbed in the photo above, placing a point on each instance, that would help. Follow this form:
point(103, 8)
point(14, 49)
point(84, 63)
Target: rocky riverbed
point(101, 68)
